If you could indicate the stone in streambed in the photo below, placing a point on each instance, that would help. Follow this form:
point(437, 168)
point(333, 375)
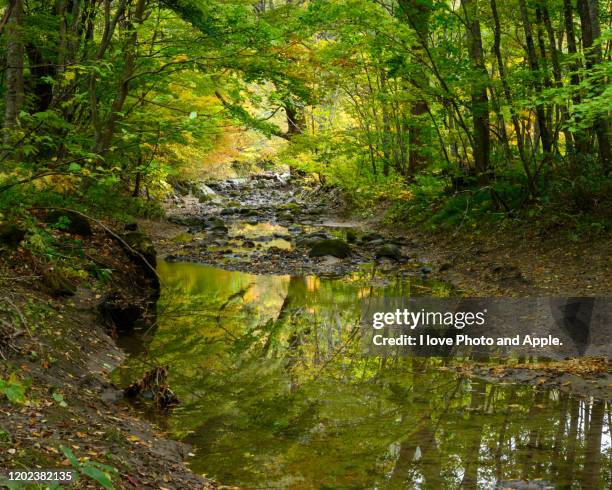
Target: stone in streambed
point(372, 237)
point(311, 239)
point(334, 247)
point(216, 225)
point(351, 236)
point(389, 251)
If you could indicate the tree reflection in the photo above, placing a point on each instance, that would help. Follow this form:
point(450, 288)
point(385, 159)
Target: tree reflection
point(276, 394)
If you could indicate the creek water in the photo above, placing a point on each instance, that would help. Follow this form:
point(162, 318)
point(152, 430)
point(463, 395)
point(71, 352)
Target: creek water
point(275, 393)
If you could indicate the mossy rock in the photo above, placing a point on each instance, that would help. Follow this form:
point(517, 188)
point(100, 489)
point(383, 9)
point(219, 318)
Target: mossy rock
point(217, 225)
point(56, 283)
point(75, 223)
point(11, 234)
point(334, 247)
point(372, 237)
point(290, 206)
point(142, 244)
point(389, 251)
point(351, 236)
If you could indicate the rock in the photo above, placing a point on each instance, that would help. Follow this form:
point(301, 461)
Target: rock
point(425, 269)
point(389, 251)
point(286, 216)
point(142, 244)
point(371, 237)
point(202, 192)
point(351, 236)
point(290, 206)
point(131, 226)
point(248, 244)
point(56, 283)
point(11, 234)
point(445, 266)
point(75, 224)
point(313, 238)
point(216, 225)
point(334, 247)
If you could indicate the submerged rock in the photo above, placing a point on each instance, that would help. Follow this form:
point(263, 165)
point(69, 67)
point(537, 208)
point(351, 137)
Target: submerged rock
point(334, 247)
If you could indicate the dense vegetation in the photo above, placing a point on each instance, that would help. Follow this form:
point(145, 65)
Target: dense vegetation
point(445, 109)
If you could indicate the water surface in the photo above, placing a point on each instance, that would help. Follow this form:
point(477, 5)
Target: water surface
point(276, 394)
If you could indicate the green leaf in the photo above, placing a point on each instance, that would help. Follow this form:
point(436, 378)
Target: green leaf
point(58, 397)
point(98, 475)
point(70, 456)
point(74, 167)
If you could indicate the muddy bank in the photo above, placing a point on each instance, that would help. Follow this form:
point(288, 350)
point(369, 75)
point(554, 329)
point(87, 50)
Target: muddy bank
point(57, 348)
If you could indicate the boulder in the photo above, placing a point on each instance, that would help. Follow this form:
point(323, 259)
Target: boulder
point(11, 234)
point(315, 235)
point(389, 251)
point(334, 247)
point(216, 225)
point(202, 192)
point(286, 216)
point(371, 237)
point(75, 224)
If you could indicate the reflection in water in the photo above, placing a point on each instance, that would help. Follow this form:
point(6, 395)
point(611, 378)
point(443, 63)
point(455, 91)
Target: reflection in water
point(267, 234)
point(275, 394)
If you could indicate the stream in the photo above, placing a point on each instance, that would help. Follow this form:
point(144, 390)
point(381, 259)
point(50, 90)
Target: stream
point(275, 390)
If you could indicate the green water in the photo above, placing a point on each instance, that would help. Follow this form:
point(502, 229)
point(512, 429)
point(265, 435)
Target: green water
point(275, 394)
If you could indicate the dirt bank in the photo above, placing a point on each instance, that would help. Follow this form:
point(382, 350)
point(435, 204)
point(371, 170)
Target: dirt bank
point(57, 329)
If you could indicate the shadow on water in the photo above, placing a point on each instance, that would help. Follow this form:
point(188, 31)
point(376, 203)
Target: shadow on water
point(276, 394)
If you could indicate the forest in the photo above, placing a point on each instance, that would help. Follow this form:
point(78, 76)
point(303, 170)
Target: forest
point(498, 110)
point(199, 199)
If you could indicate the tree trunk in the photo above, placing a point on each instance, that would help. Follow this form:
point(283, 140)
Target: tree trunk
point(589, 22)
point(533, 64)
point(104, 139)
point(417, 13)
point(14, 69)
point(480, 99)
